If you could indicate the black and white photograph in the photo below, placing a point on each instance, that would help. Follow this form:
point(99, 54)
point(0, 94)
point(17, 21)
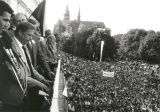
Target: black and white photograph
point(79, 56)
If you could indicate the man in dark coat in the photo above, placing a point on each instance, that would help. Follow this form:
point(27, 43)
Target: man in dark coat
point(11, 94)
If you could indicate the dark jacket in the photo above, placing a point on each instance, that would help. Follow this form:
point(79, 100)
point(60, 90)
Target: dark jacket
point(37, 56)
point(10, 90)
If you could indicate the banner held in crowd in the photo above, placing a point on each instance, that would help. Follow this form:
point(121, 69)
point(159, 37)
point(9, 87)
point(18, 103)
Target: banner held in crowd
point(40, 15)
point(107, 74)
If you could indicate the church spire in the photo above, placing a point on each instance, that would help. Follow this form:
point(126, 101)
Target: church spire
point(79, 15)
point(67, 14)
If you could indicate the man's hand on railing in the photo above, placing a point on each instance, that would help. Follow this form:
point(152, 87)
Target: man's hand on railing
point(47, 82)
point(52, 75)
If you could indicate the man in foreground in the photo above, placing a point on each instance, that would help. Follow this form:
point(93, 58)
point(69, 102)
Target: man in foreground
point(12, 72)
point(37, 56)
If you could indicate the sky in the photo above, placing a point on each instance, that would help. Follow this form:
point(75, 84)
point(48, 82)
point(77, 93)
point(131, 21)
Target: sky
point(118, 15)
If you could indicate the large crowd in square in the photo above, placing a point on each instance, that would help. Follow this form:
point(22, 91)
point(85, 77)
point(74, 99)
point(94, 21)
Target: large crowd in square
point(134, 87)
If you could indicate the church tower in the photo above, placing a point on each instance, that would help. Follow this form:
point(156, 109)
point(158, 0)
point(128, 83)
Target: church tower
point(79, 15)
point(66, 14)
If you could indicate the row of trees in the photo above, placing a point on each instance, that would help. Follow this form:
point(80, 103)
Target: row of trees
point(140, 44)
point(87, 43)
point(135, 44)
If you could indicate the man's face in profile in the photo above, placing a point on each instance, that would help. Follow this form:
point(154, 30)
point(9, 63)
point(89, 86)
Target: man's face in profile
point(26, 36)
point(4, 21)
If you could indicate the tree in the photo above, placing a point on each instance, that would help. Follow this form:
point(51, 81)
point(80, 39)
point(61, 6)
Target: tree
point(94, 43)
point(76, 44)
point(66, 44)
point(61, 27)
point(150, 47)
point(130, 43)
point(117, 38)
point(82, 28)
point(87, 44)
point(81, 46)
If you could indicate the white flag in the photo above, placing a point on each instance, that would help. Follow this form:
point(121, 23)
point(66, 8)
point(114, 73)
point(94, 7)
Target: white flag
point(65, 91)
point(108, 74)
point(102, 44)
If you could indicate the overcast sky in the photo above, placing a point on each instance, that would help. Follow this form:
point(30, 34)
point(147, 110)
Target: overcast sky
point(118, 15)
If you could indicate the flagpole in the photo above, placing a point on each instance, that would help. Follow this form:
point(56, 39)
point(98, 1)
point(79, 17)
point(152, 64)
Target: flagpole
point(101, 52)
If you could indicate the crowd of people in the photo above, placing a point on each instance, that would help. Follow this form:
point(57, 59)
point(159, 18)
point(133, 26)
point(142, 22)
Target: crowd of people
point(134, 87)
point(27, 62)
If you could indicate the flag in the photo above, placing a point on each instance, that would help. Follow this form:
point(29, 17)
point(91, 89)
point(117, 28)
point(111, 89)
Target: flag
point(39, 15)
point(108, 74)
point(102, 43)
point(65, 91)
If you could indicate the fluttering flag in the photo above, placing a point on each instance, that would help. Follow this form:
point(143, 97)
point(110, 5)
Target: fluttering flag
point(39, 15)
point(65, 91)
point(65, 79)
point(107, 74)
point(101, 53)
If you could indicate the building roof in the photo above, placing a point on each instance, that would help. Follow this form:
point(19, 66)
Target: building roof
point(73, 25)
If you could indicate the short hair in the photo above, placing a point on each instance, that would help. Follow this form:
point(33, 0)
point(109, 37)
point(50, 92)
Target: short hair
point(18, 15)
point(33, 21)
point(36, 23)
point(47, 32)
point(4, 7)
point(24, 26)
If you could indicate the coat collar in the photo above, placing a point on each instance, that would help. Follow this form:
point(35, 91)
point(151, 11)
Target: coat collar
point(18, 50)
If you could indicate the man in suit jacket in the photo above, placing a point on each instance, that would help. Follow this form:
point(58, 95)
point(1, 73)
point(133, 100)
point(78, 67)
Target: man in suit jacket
point(34, 79)
point(37, 55)
point(23, 33)
point(12, 71)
